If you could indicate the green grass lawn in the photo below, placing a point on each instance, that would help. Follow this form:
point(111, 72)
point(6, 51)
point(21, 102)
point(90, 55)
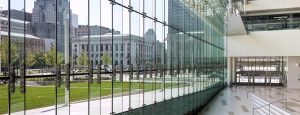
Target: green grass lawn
point(37, 97)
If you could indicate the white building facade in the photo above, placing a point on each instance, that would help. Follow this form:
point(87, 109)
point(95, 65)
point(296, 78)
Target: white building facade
point(125, 49)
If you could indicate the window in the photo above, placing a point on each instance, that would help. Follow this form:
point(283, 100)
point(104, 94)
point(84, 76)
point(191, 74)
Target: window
point(97, 47)
point(92, 48)
point(116, 46)
point(122, 47)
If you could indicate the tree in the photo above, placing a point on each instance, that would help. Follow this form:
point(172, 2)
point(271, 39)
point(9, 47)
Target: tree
point(30, 59)
point(50, 57)
point(4, 51)
point(82, 59)
point(40, 60)
point(106, 59)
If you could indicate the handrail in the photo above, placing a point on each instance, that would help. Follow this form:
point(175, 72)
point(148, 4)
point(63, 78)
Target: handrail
point(269, 104)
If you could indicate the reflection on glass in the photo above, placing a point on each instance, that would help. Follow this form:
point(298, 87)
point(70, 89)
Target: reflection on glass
point(110, 57)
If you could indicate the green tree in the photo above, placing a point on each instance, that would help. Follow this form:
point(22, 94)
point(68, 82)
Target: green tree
point(50, 57)
point(30, 59)
point(40, 60)
point(106, 59)
point(82, 59)
point(4, 51)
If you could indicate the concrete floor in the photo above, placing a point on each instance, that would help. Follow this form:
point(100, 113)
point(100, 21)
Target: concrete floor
point(234, 101)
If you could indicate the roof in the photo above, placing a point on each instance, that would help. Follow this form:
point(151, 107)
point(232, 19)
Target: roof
point(106, 35)
point(14, 20)
point(19, 35)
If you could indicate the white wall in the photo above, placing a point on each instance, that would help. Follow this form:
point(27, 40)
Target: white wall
point(256, 5)
point(293, 72)
point(236, 25)
point(265, 43)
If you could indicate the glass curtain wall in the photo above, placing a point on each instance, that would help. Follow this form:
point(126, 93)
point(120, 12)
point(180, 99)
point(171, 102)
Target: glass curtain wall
point(110, 56)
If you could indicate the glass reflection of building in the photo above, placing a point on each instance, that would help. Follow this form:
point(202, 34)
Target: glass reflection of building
point(44, 20)
point(182, 37)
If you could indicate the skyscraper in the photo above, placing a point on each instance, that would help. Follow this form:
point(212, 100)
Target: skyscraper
point(44, 20)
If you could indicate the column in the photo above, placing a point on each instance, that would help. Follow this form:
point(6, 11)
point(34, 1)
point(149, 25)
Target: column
point(67, 51)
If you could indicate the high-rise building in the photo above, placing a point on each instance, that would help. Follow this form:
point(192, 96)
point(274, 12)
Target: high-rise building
point(45, 24)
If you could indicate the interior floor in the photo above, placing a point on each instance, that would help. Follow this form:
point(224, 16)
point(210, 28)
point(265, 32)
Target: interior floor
point(234, 101)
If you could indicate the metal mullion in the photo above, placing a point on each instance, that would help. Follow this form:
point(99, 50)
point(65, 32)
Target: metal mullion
point(155, 54)
point(70, 54)
point(164, 53)
point(261, 67)
point(143, 58)
point(9, 60)
point(211, 57)
point(205, 63)
point(89, 59)
point(202, 64)
point(264, 71)
point(122, 64)
point(130, 11)
point(100, 22)
point(56, 37)
point(112, 62)
point(184, 55)
point(178, 71)
point(248, 70)
point(139, 58)
point(188, 58)
point(171, 56)
point(270, 71)
point(197, 57)
point(192, 63)
point(24, 58)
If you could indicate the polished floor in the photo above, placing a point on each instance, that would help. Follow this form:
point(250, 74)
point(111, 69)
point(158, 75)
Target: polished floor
point(234, 101)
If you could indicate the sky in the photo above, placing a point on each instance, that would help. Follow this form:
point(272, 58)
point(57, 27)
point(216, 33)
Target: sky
point(120, 15)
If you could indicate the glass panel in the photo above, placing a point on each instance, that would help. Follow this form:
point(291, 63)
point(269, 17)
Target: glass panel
point(149, 7)
point(148, 45)
point(95, 32)
point(159, 9)
point(16, 55)
point(135, 44)
point(63, 39)
point(116, 40)
point(40, 91)
point(140, 52)
point(79, 87)
point(160, 49)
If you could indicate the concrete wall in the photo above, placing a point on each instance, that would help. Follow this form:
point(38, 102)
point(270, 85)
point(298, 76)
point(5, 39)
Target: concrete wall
point(236, 26)
point(293, 73)
point(265, 43)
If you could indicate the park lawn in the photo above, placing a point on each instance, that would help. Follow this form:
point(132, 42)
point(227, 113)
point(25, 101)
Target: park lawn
point(43, 96)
